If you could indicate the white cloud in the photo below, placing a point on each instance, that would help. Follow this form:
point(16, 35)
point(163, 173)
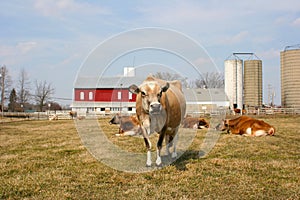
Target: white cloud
point(296, 22)
point(234, 39)
point(59, 8)
point(25, 47)
point(20, 48)
point(269, 54)
point(181, 13)
point(6, 50)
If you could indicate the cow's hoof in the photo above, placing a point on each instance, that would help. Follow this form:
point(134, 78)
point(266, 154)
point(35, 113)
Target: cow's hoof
point(174, 155)
point(158, 161)
point(159, 165)
point(148, 163)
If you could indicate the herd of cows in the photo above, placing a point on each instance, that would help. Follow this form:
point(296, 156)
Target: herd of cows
point(242, 125)
point(161, 107)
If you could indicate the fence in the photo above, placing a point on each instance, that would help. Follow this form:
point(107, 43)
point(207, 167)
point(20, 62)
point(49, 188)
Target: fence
point(64, 114)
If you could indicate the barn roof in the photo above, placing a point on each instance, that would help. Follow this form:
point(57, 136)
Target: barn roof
point(205, 95)
point(107, 82)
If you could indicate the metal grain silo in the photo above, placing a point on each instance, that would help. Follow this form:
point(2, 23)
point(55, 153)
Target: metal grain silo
point(234, 82)
point(290, 77)
point(253, 89)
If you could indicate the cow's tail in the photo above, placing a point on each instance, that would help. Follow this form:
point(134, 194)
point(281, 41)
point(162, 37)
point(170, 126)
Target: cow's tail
point(271, 131)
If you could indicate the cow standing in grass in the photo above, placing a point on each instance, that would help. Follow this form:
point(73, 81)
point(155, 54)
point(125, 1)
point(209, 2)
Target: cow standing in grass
point(160, 107)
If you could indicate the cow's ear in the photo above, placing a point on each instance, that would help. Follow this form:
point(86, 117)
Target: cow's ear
point(166, 87)
point(134, 89)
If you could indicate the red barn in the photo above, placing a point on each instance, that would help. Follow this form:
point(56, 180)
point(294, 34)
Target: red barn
point(106, 95)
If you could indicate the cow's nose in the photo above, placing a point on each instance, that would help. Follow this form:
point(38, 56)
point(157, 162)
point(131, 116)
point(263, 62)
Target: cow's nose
point(155, 107)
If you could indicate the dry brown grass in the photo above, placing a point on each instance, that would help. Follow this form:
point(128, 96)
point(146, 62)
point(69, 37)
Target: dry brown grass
point(46, 160)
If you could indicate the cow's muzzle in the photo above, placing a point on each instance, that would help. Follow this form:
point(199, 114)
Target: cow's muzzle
point(155, 108)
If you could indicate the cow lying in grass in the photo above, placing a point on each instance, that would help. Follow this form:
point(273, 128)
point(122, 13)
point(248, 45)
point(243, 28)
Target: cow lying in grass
point(128, 125)
point(194, 123)
point(53, 117)
point(247, 126)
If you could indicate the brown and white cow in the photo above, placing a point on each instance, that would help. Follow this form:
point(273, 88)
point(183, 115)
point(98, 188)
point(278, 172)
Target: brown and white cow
point(194, 123)
point(228, 124)
point(248, 126)
point(128, 125)
point(73, 114)
point(160, 107)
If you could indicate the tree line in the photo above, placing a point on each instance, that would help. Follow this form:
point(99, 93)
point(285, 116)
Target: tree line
point(21, 94)
point(206, 80)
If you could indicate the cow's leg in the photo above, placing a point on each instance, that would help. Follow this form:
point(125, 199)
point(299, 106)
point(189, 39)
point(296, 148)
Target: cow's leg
point(259, 133)
point(168, 145)
point(148, 146)
point(174, 142)
point(159, 146)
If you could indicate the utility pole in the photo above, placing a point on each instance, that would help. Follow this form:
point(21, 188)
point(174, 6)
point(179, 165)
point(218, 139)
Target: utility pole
point(271, 95)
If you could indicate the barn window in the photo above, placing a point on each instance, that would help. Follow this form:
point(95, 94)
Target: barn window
point(129, 108)
point(81, 95)
point(102, 109)
point(119, 95)
point(130, 96)
point(91, 95)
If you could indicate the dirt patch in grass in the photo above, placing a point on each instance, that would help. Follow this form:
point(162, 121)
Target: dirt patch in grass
point(47, 160)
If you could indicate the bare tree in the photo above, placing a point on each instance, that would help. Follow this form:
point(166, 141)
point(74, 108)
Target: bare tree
point(23, 87)
point(43, 92)
point(12, 100)
point(5, 85)
point(210, 80)
point(170, 77)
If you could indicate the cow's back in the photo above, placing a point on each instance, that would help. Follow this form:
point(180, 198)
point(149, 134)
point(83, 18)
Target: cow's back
point(173, 101)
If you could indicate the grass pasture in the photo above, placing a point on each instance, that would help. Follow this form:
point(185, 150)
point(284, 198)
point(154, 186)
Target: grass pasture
point(47, 160)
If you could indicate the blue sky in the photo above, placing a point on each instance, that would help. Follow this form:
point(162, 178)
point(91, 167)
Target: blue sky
point(51, 39)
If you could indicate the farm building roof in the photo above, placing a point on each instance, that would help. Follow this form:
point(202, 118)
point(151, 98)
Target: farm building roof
point(107, 82)
point(205, 95)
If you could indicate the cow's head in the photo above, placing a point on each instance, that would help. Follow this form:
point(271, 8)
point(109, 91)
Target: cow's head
point(115, 119)
point(151, 93)
point(224, 125)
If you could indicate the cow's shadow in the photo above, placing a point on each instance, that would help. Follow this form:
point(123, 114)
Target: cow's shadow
point(181, 162)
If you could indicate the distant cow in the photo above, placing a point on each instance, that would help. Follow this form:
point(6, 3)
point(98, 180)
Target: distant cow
point(238, 111)
point(128, 125)
point(160, 107)
point(53, 117)
point(248, 126)
point(195, 123)
point(73, 114)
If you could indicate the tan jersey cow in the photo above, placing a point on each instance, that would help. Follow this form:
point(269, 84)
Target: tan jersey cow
point(160, 107)
point(128, 125)
point(228, 124)
point(248, 126)
point(194, 123)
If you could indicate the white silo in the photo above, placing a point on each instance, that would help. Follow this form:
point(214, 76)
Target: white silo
point(234, 82)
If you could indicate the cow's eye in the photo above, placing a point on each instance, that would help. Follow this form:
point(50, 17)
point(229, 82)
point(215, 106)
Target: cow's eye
point(143, 94)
